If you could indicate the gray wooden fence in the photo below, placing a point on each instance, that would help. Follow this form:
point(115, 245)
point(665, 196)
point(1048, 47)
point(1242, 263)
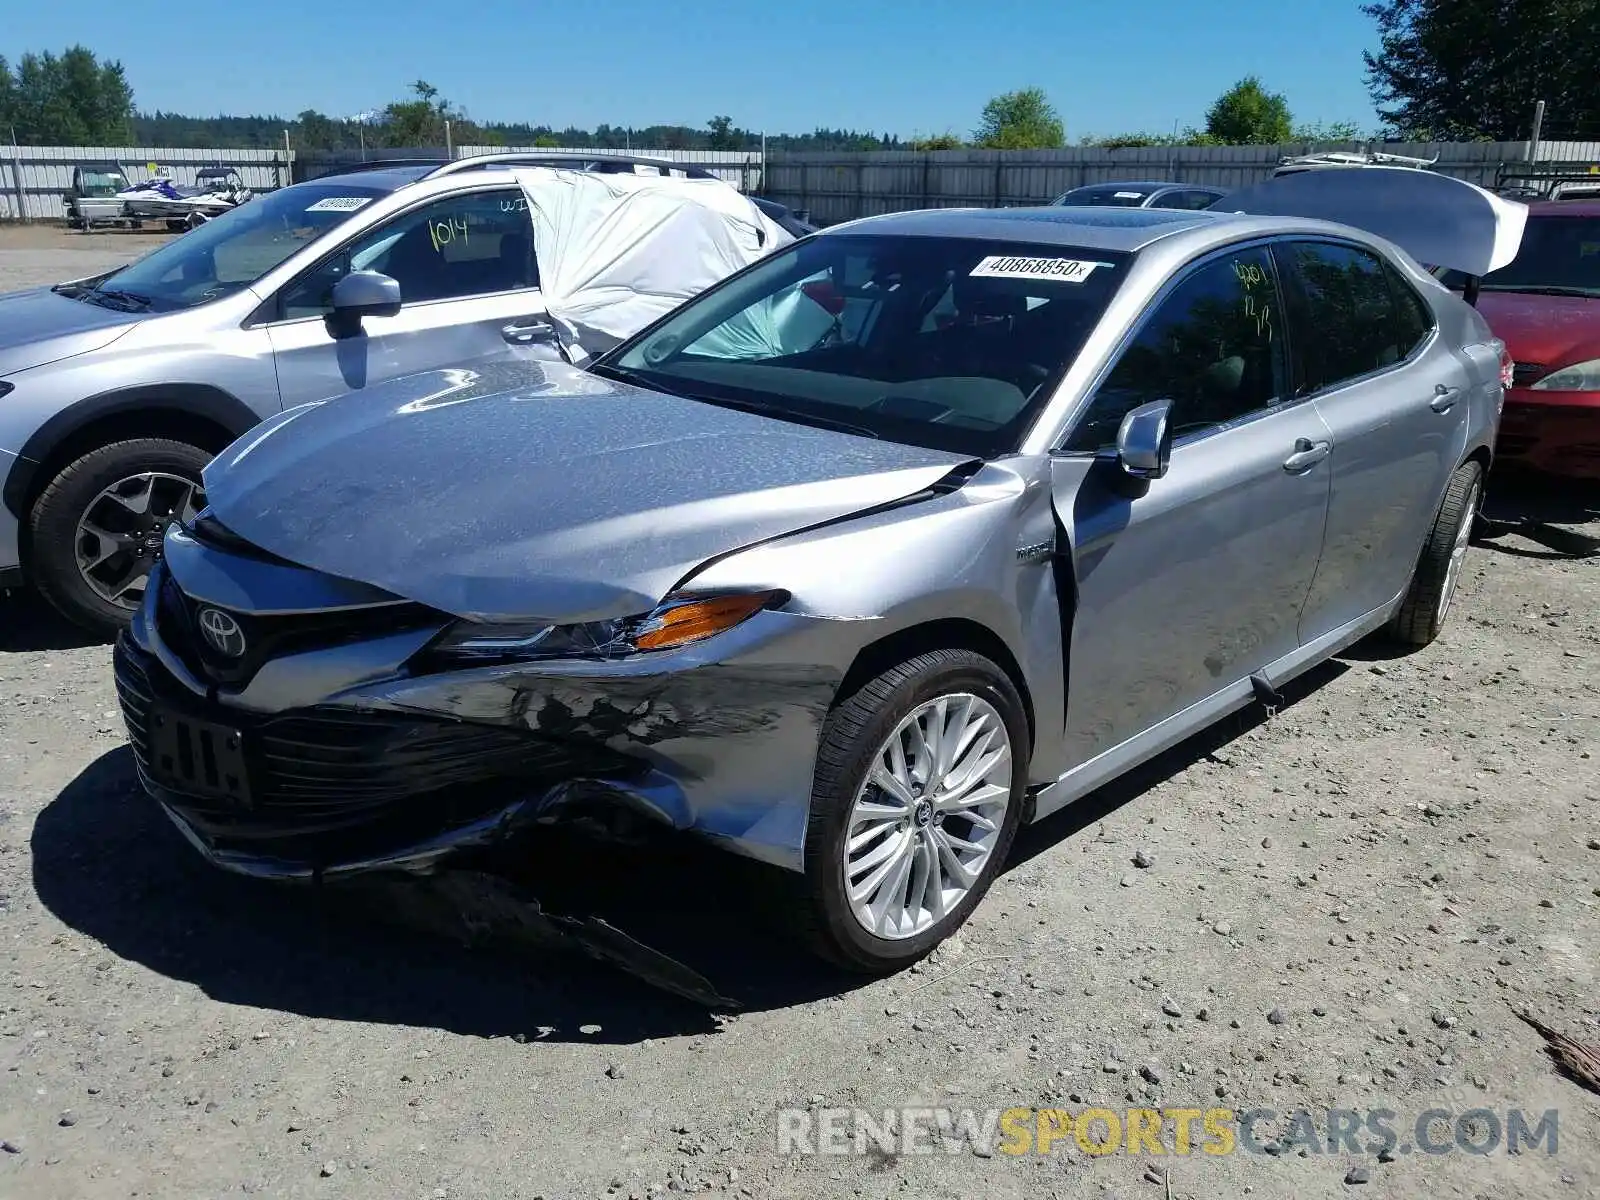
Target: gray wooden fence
point(32, 178)
point(831, 186)
point(840, 187)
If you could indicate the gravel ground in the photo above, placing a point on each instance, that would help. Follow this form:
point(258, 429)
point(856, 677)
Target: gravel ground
point(1340, 906)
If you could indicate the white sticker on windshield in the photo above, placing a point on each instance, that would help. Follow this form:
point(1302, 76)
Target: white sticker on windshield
point(1063, 270)
point(1130, 195)
point(339, 204)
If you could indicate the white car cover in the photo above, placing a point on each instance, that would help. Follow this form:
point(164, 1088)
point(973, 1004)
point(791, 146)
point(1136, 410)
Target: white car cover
point(615, 252)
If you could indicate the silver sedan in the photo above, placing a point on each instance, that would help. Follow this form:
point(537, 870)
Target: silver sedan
point(914, 532)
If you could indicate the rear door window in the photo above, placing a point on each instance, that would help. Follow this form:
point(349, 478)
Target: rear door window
point(1348, 318)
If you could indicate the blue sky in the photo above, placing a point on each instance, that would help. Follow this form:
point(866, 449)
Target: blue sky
point(792, 66)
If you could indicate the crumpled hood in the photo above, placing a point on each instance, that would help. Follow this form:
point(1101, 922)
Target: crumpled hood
point(38, 326)
point(534, 490)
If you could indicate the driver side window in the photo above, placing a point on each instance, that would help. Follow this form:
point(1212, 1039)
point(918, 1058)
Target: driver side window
point(469, 245)
point(1210, 347)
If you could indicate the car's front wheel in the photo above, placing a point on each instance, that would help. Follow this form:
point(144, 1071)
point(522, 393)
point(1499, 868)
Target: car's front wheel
point(918, 793)
point(97, 529)
point(1433, 587)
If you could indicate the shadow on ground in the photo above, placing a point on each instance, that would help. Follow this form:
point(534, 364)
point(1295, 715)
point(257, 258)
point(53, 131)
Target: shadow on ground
point(109, 865)
point(28, 623)
point(1561, 518)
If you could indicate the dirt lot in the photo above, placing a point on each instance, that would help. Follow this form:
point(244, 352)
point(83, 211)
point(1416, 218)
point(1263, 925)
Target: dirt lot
point(1341, 906)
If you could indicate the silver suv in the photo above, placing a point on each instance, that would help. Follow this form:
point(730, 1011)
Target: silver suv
point(117, 389)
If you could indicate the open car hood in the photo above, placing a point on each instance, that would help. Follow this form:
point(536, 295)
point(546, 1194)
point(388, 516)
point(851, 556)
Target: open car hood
point(1437, 219)
point(537, 491)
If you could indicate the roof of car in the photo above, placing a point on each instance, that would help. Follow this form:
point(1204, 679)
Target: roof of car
point(387, 178)
point(1092, 228)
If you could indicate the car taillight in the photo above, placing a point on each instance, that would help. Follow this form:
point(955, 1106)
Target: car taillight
point(1507, 368)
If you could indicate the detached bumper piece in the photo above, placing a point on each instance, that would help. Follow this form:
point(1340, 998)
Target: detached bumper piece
point(326, 789)
point(482, 910)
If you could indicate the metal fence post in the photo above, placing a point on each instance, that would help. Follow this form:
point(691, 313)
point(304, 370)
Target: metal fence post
point(16, 180)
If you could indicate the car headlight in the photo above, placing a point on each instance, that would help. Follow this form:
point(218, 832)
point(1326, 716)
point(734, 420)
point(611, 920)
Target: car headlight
point(677, 621)
point(1579, 377)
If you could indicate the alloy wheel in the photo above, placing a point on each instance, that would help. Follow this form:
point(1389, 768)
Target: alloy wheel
point(1458, 552)
point(925, 822)
point(120, 532)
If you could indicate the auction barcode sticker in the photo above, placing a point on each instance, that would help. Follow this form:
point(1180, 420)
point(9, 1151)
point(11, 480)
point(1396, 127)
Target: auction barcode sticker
point(339, 204)
point(1063, 270)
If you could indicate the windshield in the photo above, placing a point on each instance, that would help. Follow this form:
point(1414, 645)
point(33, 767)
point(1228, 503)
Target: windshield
point(1559, 254)
point(237, 248)
point(948, 343)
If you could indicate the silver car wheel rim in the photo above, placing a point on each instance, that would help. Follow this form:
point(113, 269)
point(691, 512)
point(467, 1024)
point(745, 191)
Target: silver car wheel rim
point(1458, 554)
point(119, 535)
point(925, 822)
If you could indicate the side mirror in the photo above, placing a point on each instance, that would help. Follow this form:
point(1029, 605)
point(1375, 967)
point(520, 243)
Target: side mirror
point(1144, 440)
point(366, 294)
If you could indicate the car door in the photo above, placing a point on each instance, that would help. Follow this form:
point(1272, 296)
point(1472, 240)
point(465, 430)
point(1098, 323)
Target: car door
point(1187, 585)
point(468, 280)
point(1394, 394)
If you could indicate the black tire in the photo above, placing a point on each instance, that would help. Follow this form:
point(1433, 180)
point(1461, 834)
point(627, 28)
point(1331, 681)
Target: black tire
point(1422, 614)
point(53, 522)
point(851, 735)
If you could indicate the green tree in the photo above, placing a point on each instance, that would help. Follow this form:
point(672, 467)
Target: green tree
point(1471, 69)
point(8, 98)
point(936, 141)
point(68, 99)
point(722, 134)
point(1021, 120)
point(1249, 115)
point(1335, 131)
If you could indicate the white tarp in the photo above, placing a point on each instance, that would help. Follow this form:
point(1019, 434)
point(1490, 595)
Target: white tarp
point(1437, 219)
point(615, 252)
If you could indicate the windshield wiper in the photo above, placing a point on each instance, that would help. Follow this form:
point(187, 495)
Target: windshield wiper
point(1541, 291)
point(132, 299)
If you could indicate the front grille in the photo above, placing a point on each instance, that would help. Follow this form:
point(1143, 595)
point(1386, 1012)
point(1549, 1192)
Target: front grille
point(321, 769)
point(266, 638)
point(1527, 374)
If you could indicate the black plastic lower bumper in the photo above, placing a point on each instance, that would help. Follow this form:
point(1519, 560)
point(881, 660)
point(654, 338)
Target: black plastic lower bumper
point(326, 790)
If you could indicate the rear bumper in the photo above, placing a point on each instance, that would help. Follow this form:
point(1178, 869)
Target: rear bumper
point(1551, 433)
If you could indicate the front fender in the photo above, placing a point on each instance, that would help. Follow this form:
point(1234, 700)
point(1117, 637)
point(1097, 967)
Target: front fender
point(948, 557)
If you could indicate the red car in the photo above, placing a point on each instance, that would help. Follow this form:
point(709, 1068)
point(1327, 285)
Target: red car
point(1545, 306)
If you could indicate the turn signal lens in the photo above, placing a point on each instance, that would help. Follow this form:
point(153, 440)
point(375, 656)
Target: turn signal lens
point(681, 621)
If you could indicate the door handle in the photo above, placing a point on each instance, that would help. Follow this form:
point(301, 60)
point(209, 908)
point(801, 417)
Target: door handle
point(527, 332)
point(1444, 398)
point(1307, 454)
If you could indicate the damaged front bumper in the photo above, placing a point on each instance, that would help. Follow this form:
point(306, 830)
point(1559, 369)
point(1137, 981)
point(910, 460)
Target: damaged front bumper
point(331, 764)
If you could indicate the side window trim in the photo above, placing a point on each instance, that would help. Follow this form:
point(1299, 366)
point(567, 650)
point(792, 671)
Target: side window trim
point(270, 312)
point(1132, 334)
point(1297, 304)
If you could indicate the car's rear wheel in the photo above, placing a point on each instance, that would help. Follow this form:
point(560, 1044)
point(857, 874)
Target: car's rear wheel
point(918, 793)
point(1433, 588)
point(97, 529)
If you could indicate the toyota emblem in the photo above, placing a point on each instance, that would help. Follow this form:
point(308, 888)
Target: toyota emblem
point(222, 632)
